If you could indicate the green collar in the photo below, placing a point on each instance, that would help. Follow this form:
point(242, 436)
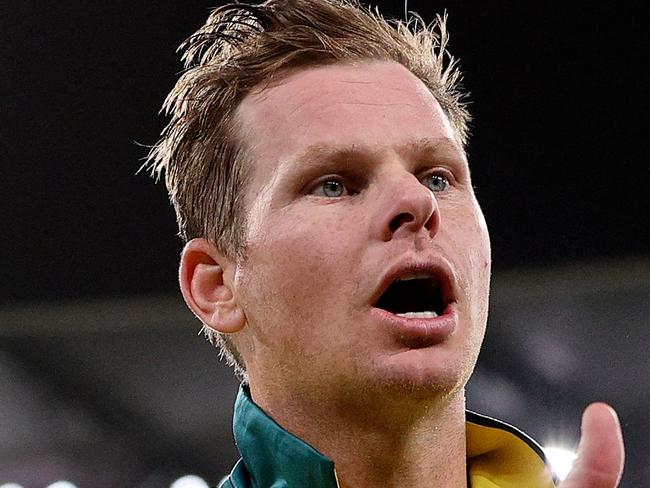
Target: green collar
point(274, 457)
point(498, 455)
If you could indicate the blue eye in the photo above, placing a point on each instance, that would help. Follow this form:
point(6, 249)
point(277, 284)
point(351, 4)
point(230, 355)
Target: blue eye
point(330, 188)
point(436, 183)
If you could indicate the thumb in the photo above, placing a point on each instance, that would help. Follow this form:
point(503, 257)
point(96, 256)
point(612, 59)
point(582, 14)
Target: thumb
point(600, 452)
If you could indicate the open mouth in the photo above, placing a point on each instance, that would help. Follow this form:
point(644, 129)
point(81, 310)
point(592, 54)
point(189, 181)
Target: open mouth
point(415, 295)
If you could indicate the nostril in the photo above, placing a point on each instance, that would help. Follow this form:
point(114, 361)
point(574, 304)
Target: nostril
point(400, 220)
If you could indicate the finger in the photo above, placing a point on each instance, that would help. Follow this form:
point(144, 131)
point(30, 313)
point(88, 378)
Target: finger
point(600, 452)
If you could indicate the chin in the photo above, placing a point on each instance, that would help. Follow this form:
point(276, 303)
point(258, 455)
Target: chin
point(426, 373)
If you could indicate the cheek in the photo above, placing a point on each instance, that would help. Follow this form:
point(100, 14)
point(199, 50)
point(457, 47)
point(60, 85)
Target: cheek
point(293, 267)
point(481, 252)
point(471, 236)
point(470, 243)
point(480, 262)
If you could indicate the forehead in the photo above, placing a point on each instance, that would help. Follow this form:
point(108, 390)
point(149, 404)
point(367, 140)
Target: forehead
point(374, 106)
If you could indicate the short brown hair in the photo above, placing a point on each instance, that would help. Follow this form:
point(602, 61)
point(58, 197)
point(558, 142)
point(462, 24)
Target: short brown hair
point(242, 46)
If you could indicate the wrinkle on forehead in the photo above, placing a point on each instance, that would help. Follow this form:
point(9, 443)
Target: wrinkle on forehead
point(303, 81)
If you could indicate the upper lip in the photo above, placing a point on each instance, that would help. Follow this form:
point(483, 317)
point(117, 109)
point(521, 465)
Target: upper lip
point(437, 270)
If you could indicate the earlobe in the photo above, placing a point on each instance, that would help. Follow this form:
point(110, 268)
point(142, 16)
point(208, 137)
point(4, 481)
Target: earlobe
point(205, 289)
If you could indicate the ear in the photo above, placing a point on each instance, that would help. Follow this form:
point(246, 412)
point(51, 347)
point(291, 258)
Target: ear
point(205, 288)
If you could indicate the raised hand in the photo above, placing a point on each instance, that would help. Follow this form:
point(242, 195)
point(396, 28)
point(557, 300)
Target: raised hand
point(600, 452)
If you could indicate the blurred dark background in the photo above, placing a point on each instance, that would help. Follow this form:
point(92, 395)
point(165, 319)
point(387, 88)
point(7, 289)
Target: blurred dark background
point(103, 380)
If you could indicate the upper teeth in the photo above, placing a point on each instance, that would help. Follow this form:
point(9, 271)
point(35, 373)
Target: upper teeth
point(418, 315)
point(414, 276)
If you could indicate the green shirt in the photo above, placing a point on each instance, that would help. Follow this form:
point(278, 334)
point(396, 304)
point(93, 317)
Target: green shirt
point(498, 455)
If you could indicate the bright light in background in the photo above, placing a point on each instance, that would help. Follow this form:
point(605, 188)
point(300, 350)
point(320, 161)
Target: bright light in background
point(561, 460)
point(189, 481)
point(62, 484)
point(11, 485)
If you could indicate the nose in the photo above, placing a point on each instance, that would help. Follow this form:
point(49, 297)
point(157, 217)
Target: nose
point(407, 208)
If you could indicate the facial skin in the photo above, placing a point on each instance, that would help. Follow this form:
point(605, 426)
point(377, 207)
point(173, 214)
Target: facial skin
point(339, 194)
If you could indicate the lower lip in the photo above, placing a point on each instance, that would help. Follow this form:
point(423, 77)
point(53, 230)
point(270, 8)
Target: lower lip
point(430, 330)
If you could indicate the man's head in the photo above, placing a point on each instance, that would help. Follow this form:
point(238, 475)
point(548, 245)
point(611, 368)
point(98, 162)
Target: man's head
point(276, 98)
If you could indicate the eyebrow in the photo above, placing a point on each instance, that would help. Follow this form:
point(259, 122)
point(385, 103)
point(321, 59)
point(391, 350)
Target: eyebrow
point(338, 152)
point(430, 146)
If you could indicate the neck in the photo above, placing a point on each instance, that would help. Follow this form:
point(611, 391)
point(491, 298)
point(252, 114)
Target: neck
point(412, 442)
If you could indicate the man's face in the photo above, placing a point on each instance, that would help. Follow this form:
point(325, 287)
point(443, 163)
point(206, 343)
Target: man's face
point(358, 182)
